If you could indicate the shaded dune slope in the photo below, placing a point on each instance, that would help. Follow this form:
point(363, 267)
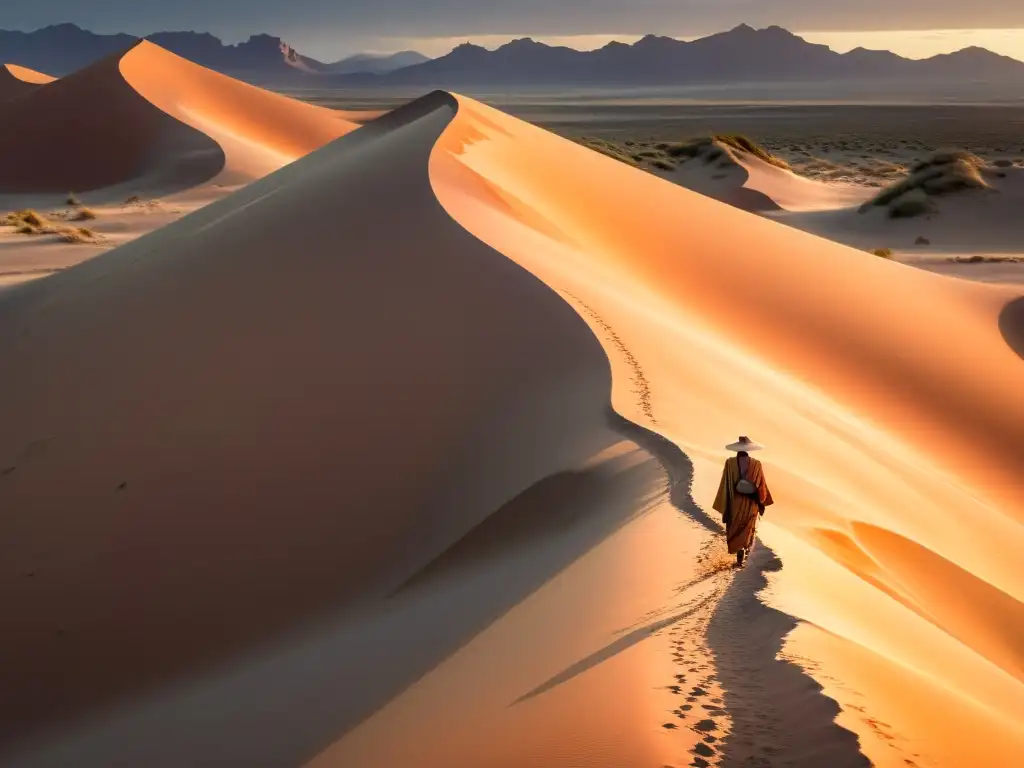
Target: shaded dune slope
point(223, 412)
point(150, 116)
point(1011, 323)
point(18, 81)
point(889, 396)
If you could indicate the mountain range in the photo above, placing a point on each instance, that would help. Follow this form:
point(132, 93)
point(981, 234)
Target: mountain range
point(742, 54)
point(63, 48)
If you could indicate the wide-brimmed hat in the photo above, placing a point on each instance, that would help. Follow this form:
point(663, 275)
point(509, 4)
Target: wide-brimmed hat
point(744, 444)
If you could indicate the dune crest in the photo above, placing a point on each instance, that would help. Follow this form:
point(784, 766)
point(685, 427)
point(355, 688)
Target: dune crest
point(748, 182)
point(153, 120)
point(19, 81)
point(888, 397)
point(258, 131)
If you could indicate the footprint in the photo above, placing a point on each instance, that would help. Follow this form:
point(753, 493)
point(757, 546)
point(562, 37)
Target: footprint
point(706, 725)
point(686, 707)
point(704, 749)
point(669, 726)
point(700, 762)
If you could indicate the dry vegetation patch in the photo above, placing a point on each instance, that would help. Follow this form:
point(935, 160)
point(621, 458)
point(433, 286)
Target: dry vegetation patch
point(30, 222)
point(941, 174)
point(720, 149)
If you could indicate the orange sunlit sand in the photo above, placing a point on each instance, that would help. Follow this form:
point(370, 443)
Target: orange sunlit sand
point(404, 453)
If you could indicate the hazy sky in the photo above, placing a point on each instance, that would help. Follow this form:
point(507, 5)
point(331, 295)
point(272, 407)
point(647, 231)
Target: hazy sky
point(330, 28)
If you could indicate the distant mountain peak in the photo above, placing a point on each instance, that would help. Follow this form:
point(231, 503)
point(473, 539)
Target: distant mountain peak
point(651, 39)
point(524, 42)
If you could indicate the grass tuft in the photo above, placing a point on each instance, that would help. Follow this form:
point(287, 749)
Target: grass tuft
point(84, 214)
point(942, 174)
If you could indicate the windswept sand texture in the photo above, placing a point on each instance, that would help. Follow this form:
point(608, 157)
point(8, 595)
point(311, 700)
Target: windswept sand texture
point(325, 474)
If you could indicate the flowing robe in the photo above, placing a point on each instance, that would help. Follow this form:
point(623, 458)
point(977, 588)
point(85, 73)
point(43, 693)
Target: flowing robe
point(739, 512)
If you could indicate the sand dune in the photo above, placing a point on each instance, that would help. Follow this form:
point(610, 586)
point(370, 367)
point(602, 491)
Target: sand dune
point(343, 492)
point(751, 184)
point(888, 395)
point(18, 81)
point(158, 121)
point(216, 444)
point(966, 223)
point(145, 126)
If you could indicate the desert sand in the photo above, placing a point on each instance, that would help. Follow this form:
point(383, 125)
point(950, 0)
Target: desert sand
point(403, 455)
point(826, 188)
point(896, 420)
point(149, 137)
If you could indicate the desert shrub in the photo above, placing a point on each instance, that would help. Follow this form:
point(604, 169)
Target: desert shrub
point(943, 174)
point(949, 157)
point(24, 220)
point(32, 218)
point(84, 214)
point(608, 149)
point(76, 234)
point(720, 147)
point(663, 165)
point(686, 149)
point(745, 144)
point(922, 240)
point(73, 200)
point(911, 204)
point(883, 253)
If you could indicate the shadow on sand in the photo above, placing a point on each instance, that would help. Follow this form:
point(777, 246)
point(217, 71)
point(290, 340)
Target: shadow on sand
point(780, 716)
point(1011, 325)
